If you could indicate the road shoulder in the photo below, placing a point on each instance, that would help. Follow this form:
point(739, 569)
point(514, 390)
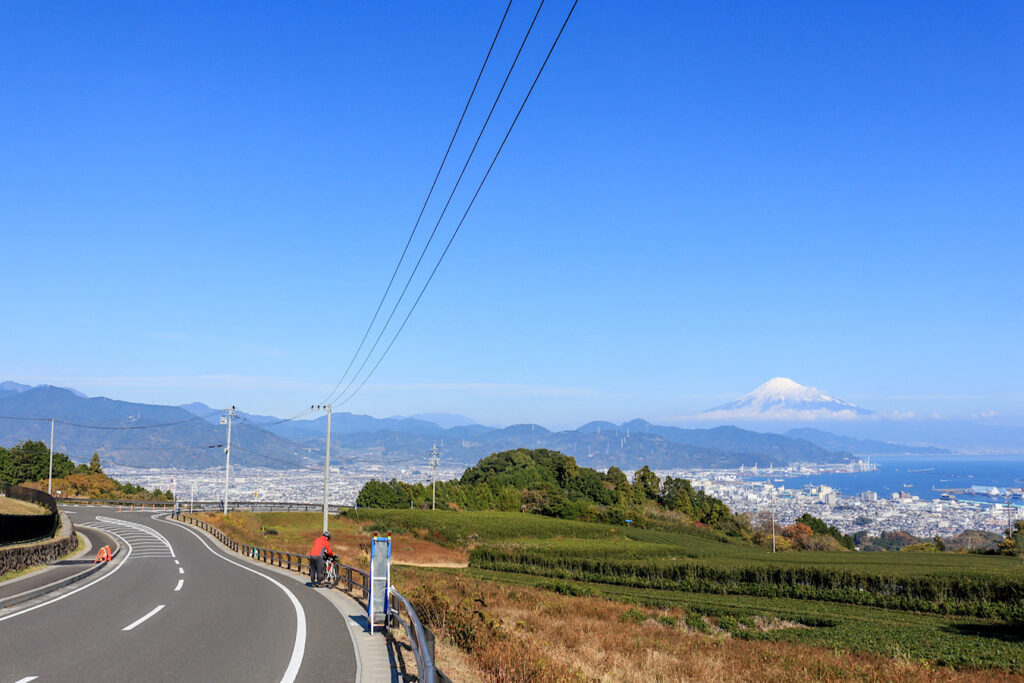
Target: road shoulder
point(62, 573)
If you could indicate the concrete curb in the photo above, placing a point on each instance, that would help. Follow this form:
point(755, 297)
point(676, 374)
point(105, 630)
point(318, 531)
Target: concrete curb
point(374, 663)
point(33, 593)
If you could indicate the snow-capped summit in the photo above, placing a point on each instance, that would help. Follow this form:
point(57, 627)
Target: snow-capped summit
point(782, 398)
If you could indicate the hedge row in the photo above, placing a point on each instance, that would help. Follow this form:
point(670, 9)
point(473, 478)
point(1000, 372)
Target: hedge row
point(960, 595)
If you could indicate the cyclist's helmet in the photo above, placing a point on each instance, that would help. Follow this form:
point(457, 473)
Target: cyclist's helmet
point(327, 535)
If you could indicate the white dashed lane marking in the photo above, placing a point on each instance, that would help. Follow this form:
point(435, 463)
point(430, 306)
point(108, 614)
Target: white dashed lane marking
point(135, 623)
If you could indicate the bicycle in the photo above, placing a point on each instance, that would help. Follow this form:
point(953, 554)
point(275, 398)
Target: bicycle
point(330, 579)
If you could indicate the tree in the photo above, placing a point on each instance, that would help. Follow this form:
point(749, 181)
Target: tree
point(798, 533)
point(1013, 544)
point(94, 464)
point(379, 494)
point(938, 543)
point(647, 483)
point(677, 494)
point(819, 527)
point(6, 467)
point(30, 461)
point(507, 499)
point(617, 479)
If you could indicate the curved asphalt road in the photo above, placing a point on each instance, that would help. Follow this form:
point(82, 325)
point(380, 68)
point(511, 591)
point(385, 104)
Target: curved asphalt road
point(174, 605)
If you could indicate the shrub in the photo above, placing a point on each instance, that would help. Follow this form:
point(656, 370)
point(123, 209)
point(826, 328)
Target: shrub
point(632, 616)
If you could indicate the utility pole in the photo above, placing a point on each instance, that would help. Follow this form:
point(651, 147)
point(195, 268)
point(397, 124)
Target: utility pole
point(49, 488)
point(227, 451)
point(433, 479)
point(773, 519)
point(192, 501)
point(327, 456)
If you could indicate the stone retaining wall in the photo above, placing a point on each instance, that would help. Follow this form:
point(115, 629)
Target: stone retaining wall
point(18, 557)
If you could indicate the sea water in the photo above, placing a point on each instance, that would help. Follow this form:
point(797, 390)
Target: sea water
point(920, 475)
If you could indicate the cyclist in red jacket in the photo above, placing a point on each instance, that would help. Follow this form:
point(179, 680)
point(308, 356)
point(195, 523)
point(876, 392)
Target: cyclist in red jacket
point(321, 546)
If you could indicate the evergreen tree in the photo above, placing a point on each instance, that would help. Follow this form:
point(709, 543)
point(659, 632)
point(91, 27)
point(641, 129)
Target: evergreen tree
point(647, 483)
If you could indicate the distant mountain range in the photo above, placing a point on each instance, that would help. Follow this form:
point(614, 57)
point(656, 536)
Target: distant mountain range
point(120, 431)
point(835, 442)
point(142, 435)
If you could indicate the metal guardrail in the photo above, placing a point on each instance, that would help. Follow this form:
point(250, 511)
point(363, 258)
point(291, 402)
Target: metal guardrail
point(420, 637)
point(111, 501)
point(353, 577)
point(214, 505)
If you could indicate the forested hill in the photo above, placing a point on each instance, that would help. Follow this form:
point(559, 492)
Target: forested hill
point(553, 484)
point(28, 464)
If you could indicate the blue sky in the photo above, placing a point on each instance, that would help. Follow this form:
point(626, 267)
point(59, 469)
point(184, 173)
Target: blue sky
point(205, 202)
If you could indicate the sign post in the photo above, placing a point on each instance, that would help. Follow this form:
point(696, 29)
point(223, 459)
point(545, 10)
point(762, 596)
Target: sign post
point(380, 580)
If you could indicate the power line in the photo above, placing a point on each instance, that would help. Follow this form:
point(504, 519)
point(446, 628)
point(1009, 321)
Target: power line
point(292, 463)
point(430, 193)
point(466, 213)
point(458, 181)
point(111, 428)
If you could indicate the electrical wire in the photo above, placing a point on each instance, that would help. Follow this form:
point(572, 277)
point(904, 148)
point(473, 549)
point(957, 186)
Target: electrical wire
point(466, 213)
point(451, 195)
point(292, 463)
point(128, 428)
point(430, 193)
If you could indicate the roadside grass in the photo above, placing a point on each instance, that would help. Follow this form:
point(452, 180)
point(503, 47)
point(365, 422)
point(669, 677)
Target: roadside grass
point(514, 631)
point(14, 506)
point(958, 642)
point(296, 531)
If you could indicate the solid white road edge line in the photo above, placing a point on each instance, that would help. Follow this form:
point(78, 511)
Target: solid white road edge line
point(26, 679)
point(91, 583)
point(180, 582)
point(299, 649)
point(135, 623)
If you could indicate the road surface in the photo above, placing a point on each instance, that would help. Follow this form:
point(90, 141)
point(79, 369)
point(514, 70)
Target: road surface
point(174, 605)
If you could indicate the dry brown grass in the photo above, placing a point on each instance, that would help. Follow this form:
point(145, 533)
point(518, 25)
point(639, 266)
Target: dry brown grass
point(489, 631)
point(295, 532)
point(13, 506)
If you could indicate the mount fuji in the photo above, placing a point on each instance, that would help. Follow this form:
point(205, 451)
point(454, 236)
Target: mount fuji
point(784, 399)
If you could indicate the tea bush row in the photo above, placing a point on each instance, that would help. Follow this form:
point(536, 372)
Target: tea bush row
point(959, 595)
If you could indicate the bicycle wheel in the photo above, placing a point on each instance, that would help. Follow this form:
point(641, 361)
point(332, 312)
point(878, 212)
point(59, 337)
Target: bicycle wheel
point(332, 576)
